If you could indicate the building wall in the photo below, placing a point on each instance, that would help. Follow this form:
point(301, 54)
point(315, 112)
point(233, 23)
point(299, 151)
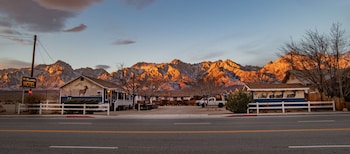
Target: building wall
point(81, 88)
point(278, 96)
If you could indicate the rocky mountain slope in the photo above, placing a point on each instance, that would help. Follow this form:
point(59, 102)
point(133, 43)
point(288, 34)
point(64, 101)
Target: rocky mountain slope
point(176, 75)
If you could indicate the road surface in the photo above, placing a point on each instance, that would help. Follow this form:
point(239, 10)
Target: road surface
point(261, 134)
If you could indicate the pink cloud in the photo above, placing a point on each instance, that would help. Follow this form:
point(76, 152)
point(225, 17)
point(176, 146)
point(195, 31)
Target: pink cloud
point(79, 28)
point(28, 15)
point(67, 5)
point(12, 63)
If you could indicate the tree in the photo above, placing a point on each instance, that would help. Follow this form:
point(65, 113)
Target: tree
point(150, 84)
point(128, 81)
point(339, 46)
point(208, 87)
point(131, 86)
point(263, 76)
point(318, 56)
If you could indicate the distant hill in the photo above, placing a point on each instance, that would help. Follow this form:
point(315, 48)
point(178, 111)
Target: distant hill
point(177, 74)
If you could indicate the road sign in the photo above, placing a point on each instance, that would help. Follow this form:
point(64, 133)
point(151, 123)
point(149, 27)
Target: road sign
point(29, 82)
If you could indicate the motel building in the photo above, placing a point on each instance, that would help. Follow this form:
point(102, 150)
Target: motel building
point(88, 88)
point(264, 93)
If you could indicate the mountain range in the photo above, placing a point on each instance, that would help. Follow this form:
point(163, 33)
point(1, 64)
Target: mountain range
point(177, 74)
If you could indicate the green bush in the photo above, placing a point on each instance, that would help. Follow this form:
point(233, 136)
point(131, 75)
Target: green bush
point(237, 101)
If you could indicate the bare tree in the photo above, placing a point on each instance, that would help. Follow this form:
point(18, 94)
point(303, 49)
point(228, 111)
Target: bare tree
point(338, 48)
point(263, 76)
point(317, 56)
point(132, 86)
point(150, 84)
point(208, 87)
point(127, 78)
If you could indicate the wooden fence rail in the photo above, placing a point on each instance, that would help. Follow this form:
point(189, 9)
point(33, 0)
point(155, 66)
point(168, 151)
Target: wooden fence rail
point(290, 105)
point(63, 107)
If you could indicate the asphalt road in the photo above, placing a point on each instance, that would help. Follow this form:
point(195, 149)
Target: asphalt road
point(262, 134)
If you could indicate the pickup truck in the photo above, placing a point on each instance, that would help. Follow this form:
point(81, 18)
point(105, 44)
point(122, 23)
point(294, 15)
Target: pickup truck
point(200, 102)
point(211, 102)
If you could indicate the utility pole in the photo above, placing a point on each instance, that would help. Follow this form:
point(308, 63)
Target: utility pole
point(33, 58)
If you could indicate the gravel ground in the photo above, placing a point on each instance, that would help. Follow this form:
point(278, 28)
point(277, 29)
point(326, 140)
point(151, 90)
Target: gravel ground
point(10, 110)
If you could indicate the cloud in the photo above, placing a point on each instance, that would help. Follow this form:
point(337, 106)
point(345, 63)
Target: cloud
point(5, 23)
point(79, 28)
point(124, 42)
point(40, 15)
point(10, 31)
point(67, 5)
point(138, 4)
point(12, 63)
point(28, 15)
point(102, 66)
point(16, 36)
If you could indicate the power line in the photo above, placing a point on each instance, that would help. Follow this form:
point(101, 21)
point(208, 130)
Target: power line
point(41, 55)
point(47, 53)
point(15, 36)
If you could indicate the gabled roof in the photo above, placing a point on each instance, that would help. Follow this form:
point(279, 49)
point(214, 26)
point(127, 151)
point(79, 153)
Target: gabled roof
point(275, 87)
point(297, 74)
point(101, 83)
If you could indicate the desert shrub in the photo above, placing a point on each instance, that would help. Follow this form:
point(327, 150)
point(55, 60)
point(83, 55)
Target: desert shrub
point(237, 101)
point(33, 99)
point(83, 101)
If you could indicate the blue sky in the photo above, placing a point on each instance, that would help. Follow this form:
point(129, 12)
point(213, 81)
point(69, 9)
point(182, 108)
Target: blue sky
point(111, 33)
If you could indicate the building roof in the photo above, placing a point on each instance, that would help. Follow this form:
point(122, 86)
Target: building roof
point(276, 87)
point(99, 82)
point(297, 74)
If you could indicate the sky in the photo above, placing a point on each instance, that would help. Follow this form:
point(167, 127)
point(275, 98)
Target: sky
point(112, 34)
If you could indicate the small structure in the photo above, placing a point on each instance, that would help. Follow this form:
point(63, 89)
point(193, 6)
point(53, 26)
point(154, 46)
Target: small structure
point(88, 88)
point(278, 92)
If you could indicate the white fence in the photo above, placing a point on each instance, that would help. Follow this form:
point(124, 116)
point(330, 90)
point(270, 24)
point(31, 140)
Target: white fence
point(290, 105)
point(63, 107)
point(122, 104)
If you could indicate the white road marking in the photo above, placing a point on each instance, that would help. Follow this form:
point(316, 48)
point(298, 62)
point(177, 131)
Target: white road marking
point(81, 147)
point(75, 123)
point(311, 121)
point(318, 146)
point(193, 123)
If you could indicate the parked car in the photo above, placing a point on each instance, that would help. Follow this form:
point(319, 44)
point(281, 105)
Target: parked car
point(212, 101)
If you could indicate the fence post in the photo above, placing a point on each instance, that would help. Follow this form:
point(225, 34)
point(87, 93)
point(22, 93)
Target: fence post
point(333, 104)
point(283, 109)
point(40, 107)
point(308, 106)
point(248, 108)
point(107, 110)
point(19, 108)
point(257, 107)
point(84, 109)
point(62, 108)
